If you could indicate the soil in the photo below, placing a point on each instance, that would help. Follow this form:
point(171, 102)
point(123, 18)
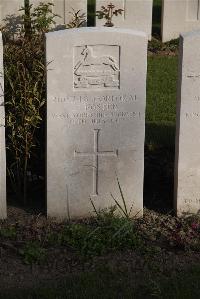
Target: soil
point(63, 261)
point(163, 53)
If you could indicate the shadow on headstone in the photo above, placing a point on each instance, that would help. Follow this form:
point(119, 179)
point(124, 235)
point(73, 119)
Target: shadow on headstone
point(159, 166)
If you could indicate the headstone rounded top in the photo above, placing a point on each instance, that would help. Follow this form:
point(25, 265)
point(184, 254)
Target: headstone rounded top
point(96, 92)
point(99, 30)
point(194, 33)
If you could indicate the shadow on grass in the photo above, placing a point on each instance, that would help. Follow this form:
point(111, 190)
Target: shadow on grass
point(36, 203)
point(157, 13)
point(91, 13)
point(109, 284)
point(160, 134)
point(159, 166)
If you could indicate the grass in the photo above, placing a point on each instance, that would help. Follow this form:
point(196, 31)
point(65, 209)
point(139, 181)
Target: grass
point(161, 89)
point(107, 233)
point(33, 253)
point(105, 283)
point(161, 99)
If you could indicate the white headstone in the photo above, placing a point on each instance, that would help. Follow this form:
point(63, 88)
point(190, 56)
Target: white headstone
point(137, 14)
point(187, 169)
point(3, 208)
point(65, 8)
point(179, 16)
point(96, 90)
point(10, 7)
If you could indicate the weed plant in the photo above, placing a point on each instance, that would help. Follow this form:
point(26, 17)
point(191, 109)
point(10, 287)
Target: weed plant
point(25, 96)
point(33, 253)
point(106, 233)
point(8, 232)
point(107, 13)
point(24, 71)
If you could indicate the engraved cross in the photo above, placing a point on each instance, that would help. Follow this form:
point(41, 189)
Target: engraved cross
point(96, 154)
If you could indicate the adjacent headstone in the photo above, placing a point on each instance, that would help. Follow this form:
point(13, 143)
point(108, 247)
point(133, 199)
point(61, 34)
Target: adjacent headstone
point(137, 14)
point(9, 8)
point(187, 166)
point(3, 209)
point(96, 90)
point(179, 16)
point(65, 9)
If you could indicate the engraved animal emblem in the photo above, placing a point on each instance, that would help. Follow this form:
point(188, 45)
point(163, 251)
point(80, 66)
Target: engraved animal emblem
point(90, 59)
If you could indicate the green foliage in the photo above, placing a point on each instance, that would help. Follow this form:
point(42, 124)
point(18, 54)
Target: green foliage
point(24, 101)
point(8, 232)
point(120, 205)
point(107, 13)
point(78, 19)
point(156, 46)
point(33, 253)
point(38, 20)
point(108, 233)
point(25, 86)
point(25, 96)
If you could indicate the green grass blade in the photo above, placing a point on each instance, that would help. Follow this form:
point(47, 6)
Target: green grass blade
point(122, 196)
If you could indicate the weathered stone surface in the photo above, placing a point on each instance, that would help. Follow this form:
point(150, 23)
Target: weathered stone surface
point(3, 209)
point(96, 90)
point(137, 14)
point(64, 8)
point(10, 7)
point(187, 170)
point(179, 16)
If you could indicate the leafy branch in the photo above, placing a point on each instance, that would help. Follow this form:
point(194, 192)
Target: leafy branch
point(107, 13)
